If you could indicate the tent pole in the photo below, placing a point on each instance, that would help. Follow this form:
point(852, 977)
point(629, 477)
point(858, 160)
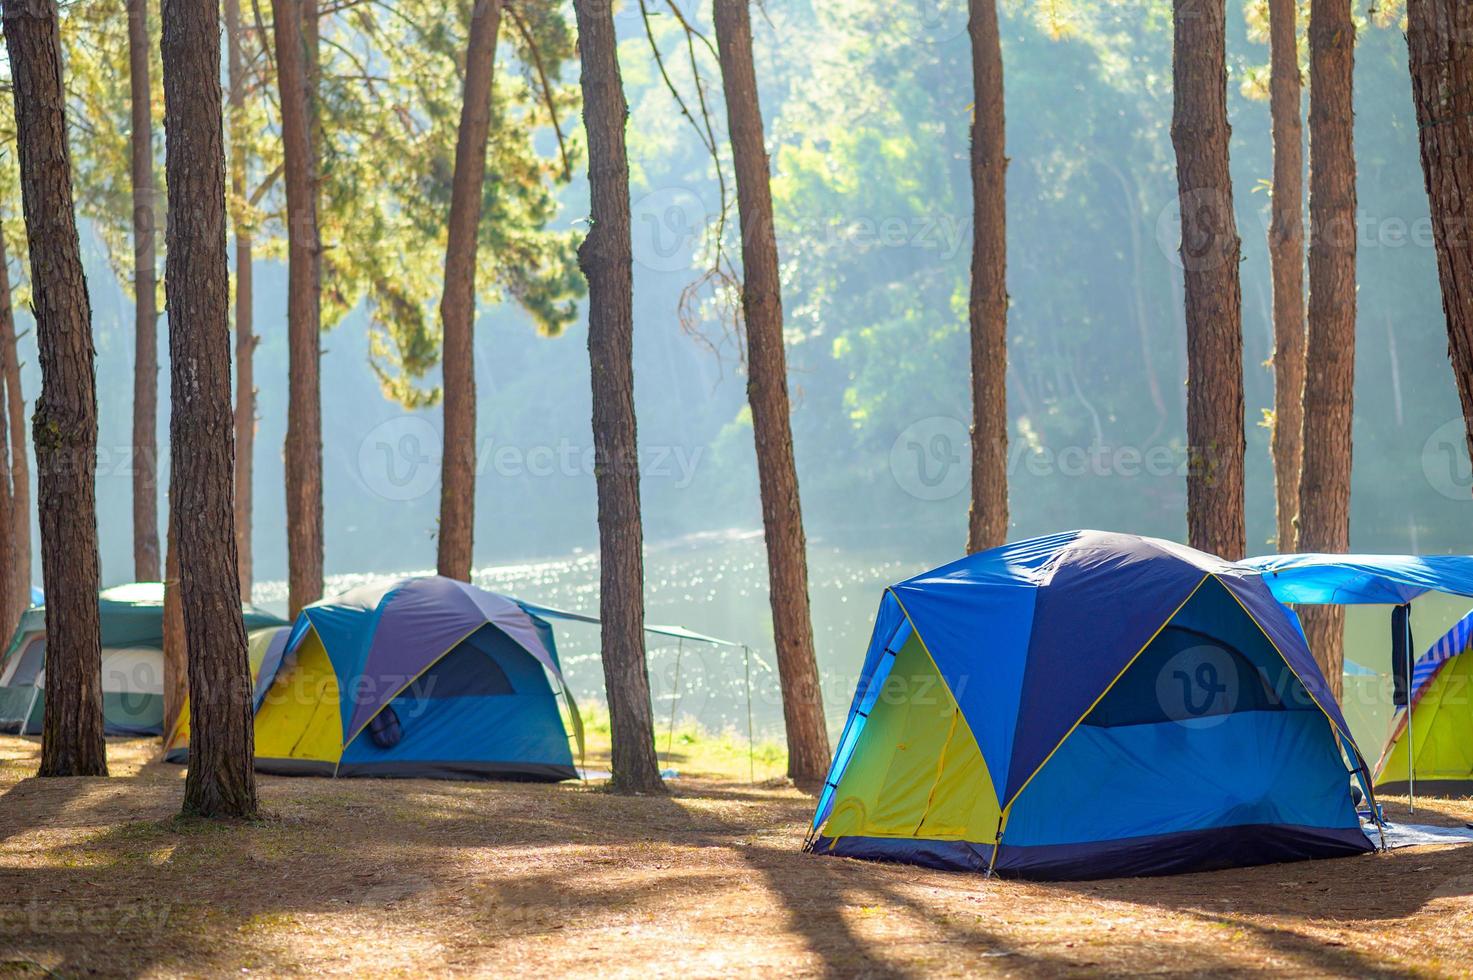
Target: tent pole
point(1411, 738)
point(674, 702)
point(751, 749)
point(31, 708)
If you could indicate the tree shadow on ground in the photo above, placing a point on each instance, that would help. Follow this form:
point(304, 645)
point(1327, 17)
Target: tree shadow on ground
point(126, 886)
point(398, 874)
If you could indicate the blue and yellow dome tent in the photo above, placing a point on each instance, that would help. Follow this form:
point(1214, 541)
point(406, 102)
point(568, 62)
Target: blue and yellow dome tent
point(420, 677)
point(1089, 705)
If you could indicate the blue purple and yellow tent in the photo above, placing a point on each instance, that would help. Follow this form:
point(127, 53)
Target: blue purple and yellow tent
point(420, 677)
point(1089, 705)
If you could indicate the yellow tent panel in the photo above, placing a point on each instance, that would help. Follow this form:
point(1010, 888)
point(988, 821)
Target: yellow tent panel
point(1442, 736)
point(917, 771)
point(299, 727)
point(257, 642)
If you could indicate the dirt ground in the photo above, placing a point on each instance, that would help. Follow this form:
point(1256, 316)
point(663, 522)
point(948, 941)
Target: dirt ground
point(367, 876)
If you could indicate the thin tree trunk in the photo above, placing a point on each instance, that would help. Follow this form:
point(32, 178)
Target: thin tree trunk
point(221, 781)
point(145, 313)
point(1209, 254)
point(1440, 44)
point(987, 309)
point(1286, 258)
point(304, 316)
point(767, 393)
point(245, 337)
point(65, 422)
point(1324, 490)
point(9, 581)
point(20, 464)
point(15, 578)
point(605, 256)
point(458, 301)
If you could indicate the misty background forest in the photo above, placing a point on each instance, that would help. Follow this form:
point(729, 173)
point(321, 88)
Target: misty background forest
point(867, 106)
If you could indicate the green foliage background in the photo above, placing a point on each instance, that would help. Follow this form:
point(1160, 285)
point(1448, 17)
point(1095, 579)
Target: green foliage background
point(867, 106)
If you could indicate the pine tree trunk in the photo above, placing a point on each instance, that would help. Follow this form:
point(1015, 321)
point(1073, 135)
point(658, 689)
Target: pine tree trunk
point(221, 781)
point(987, 308)
point(1286, 259)
point(145, 314)
point(9, 581)
point(176, 658)
point(1329, 382)
point(15, 578)
point(1440, 44)
point(458, 301)
point(245, 336)
point(20, 465)
point(65, 423)
point(1209, 255)
point(304, 315)
point(767, 393)
point(605, 256)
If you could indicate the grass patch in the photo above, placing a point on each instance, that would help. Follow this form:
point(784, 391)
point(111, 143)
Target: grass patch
point(692, 749)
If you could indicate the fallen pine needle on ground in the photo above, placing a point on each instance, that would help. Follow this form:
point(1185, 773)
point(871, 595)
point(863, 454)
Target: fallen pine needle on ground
point(360, 876)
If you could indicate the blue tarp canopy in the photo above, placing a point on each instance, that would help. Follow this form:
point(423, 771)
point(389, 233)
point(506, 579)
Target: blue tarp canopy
point(1348, 580)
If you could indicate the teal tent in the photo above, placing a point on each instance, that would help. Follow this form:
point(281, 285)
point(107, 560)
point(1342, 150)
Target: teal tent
point(132, 619)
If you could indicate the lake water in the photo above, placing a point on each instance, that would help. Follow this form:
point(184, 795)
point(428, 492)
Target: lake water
point(716, 584)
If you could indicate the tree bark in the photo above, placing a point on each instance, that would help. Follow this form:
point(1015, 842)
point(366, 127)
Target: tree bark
point(767, 393)
point(145, 313)
point(1440, 45)
point(20, 464)
point(1286, 259)
point(606, 259)
point(9, 581)
point(15, 577)
point(1324, 490)
point(176, 657)
point(1209, 254)
point(458, 300)
point(65, 423)
point(221, 781)
point(987, 308)
point(245, 337)
point(304, 315)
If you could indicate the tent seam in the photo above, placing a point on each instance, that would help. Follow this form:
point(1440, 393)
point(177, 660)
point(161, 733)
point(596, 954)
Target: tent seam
point(1115, 680)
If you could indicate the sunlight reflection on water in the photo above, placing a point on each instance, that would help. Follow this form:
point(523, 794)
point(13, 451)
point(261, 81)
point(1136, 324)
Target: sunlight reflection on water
point(713, 583)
